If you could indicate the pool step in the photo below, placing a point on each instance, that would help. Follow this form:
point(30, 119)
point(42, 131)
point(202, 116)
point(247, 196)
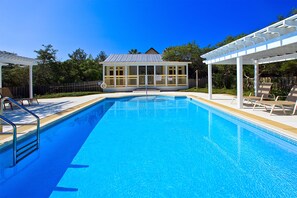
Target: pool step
point(26, 150)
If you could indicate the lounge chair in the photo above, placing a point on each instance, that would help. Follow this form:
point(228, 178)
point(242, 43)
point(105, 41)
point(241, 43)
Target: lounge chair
point(5, 92)
point(291, 101)
point(263, 93)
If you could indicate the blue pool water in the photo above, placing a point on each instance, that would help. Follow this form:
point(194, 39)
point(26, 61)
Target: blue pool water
point(154, 147)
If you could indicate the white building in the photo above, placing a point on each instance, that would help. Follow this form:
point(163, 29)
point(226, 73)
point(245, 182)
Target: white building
point(127, 72)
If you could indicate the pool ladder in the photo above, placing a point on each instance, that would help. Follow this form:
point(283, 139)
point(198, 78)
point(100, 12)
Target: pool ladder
point(23, 150)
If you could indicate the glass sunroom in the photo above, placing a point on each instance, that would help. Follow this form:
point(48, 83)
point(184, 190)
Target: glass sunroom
point(127, 72)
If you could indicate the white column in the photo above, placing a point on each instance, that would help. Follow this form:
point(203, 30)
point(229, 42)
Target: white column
point(126, 76)
point(176, 71)
point(155, 84)
point(239, 82)
point(103, 74)
point(145, 77)
point(209, 81)
point(137, 73)
point(31, 81)
point(187, 76)
point(114, 76)
point(0, 76)
point(256, 77)
point(166, 75)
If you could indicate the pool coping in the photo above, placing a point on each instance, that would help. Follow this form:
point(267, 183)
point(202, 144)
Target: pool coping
point(277, 127)
point(25, 131)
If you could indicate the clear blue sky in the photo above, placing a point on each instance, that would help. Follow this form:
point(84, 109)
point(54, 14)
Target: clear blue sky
point(116, 26)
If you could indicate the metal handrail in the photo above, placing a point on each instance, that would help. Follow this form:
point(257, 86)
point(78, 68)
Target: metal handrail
point(14, 136)
point(14, 131)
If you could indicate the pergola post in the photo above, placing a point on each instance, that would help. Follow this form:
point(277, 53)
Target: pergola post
point(1, 75)
point(239, 69)
point(256, 77)
point(30, 81)
point(209, 81)
point(103, 71)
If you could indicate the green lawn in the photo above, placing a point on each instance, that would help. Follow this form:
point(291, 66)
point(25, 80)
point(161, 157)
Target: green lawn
point(201, 90)
point(68, 94)
point(216, 91)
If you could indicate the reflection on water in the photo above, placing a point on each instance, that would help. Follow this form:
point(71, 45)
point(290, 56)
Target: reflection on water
point(157, 147)
point(59, 144)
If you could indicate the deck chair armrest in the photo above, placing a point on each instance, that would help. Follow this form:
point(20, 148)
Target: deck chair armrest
point(278, 97)
point(272, 96)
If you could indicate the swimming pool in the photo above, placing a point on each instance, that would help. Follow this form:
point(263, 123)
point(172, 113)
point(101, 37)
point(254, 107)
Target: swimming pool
point(154, 147)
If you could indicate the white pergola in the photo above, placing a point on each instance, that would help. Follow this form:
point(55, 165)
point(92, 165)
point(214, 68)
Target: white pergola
point(9, 58)
point(275, 43)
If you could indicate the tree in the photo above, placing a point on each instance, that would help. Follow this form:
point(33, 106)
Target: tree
point(188, 53)
point(294, 11)
point(46, 55)
point(289, 68)
point(44, 73)
point(281, 17)
point(78, 55)
point(134, 51)
point(101, 56)
point(13, 75)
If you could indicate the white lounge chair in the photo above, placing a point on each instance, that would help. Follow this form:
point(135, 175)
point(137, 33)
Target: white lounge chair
point(291, 101)
point(263, 93)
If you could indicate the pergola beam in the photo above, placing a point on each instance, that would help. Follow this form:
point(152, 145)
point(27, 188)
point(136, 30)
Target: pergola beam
point(239, 69)
point(290, 23)
point(10, 58)
point(275, 43)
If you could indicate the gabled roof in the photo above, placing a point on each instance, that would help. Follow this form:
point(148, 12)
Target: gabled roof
point(277, 42)
point(10, 58)
point(152, 51)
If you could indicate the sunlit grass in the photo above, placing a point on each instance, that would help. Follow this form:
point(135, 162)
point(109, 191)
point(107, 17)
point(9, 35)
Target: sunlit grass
point(216, 91)
point(68, 94)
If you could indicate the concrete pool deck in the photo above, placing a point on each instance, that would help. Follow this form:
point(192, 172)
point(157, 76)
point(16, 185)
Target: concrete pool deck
point(50, 110)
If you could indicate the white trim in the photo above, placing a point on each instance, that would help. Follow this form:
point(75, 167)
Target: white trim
point(137, 72)
point(15, 59)
point(103, 70)
point(209, 81)
point(284, 27)
point(176, 70)
point(155, 84)
point(1, 75)
point(114, 76)
point(273, 43)
point(166, 75)
point(126, 76)
point(256, 77)
point(187, 74)
point(239, 69)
